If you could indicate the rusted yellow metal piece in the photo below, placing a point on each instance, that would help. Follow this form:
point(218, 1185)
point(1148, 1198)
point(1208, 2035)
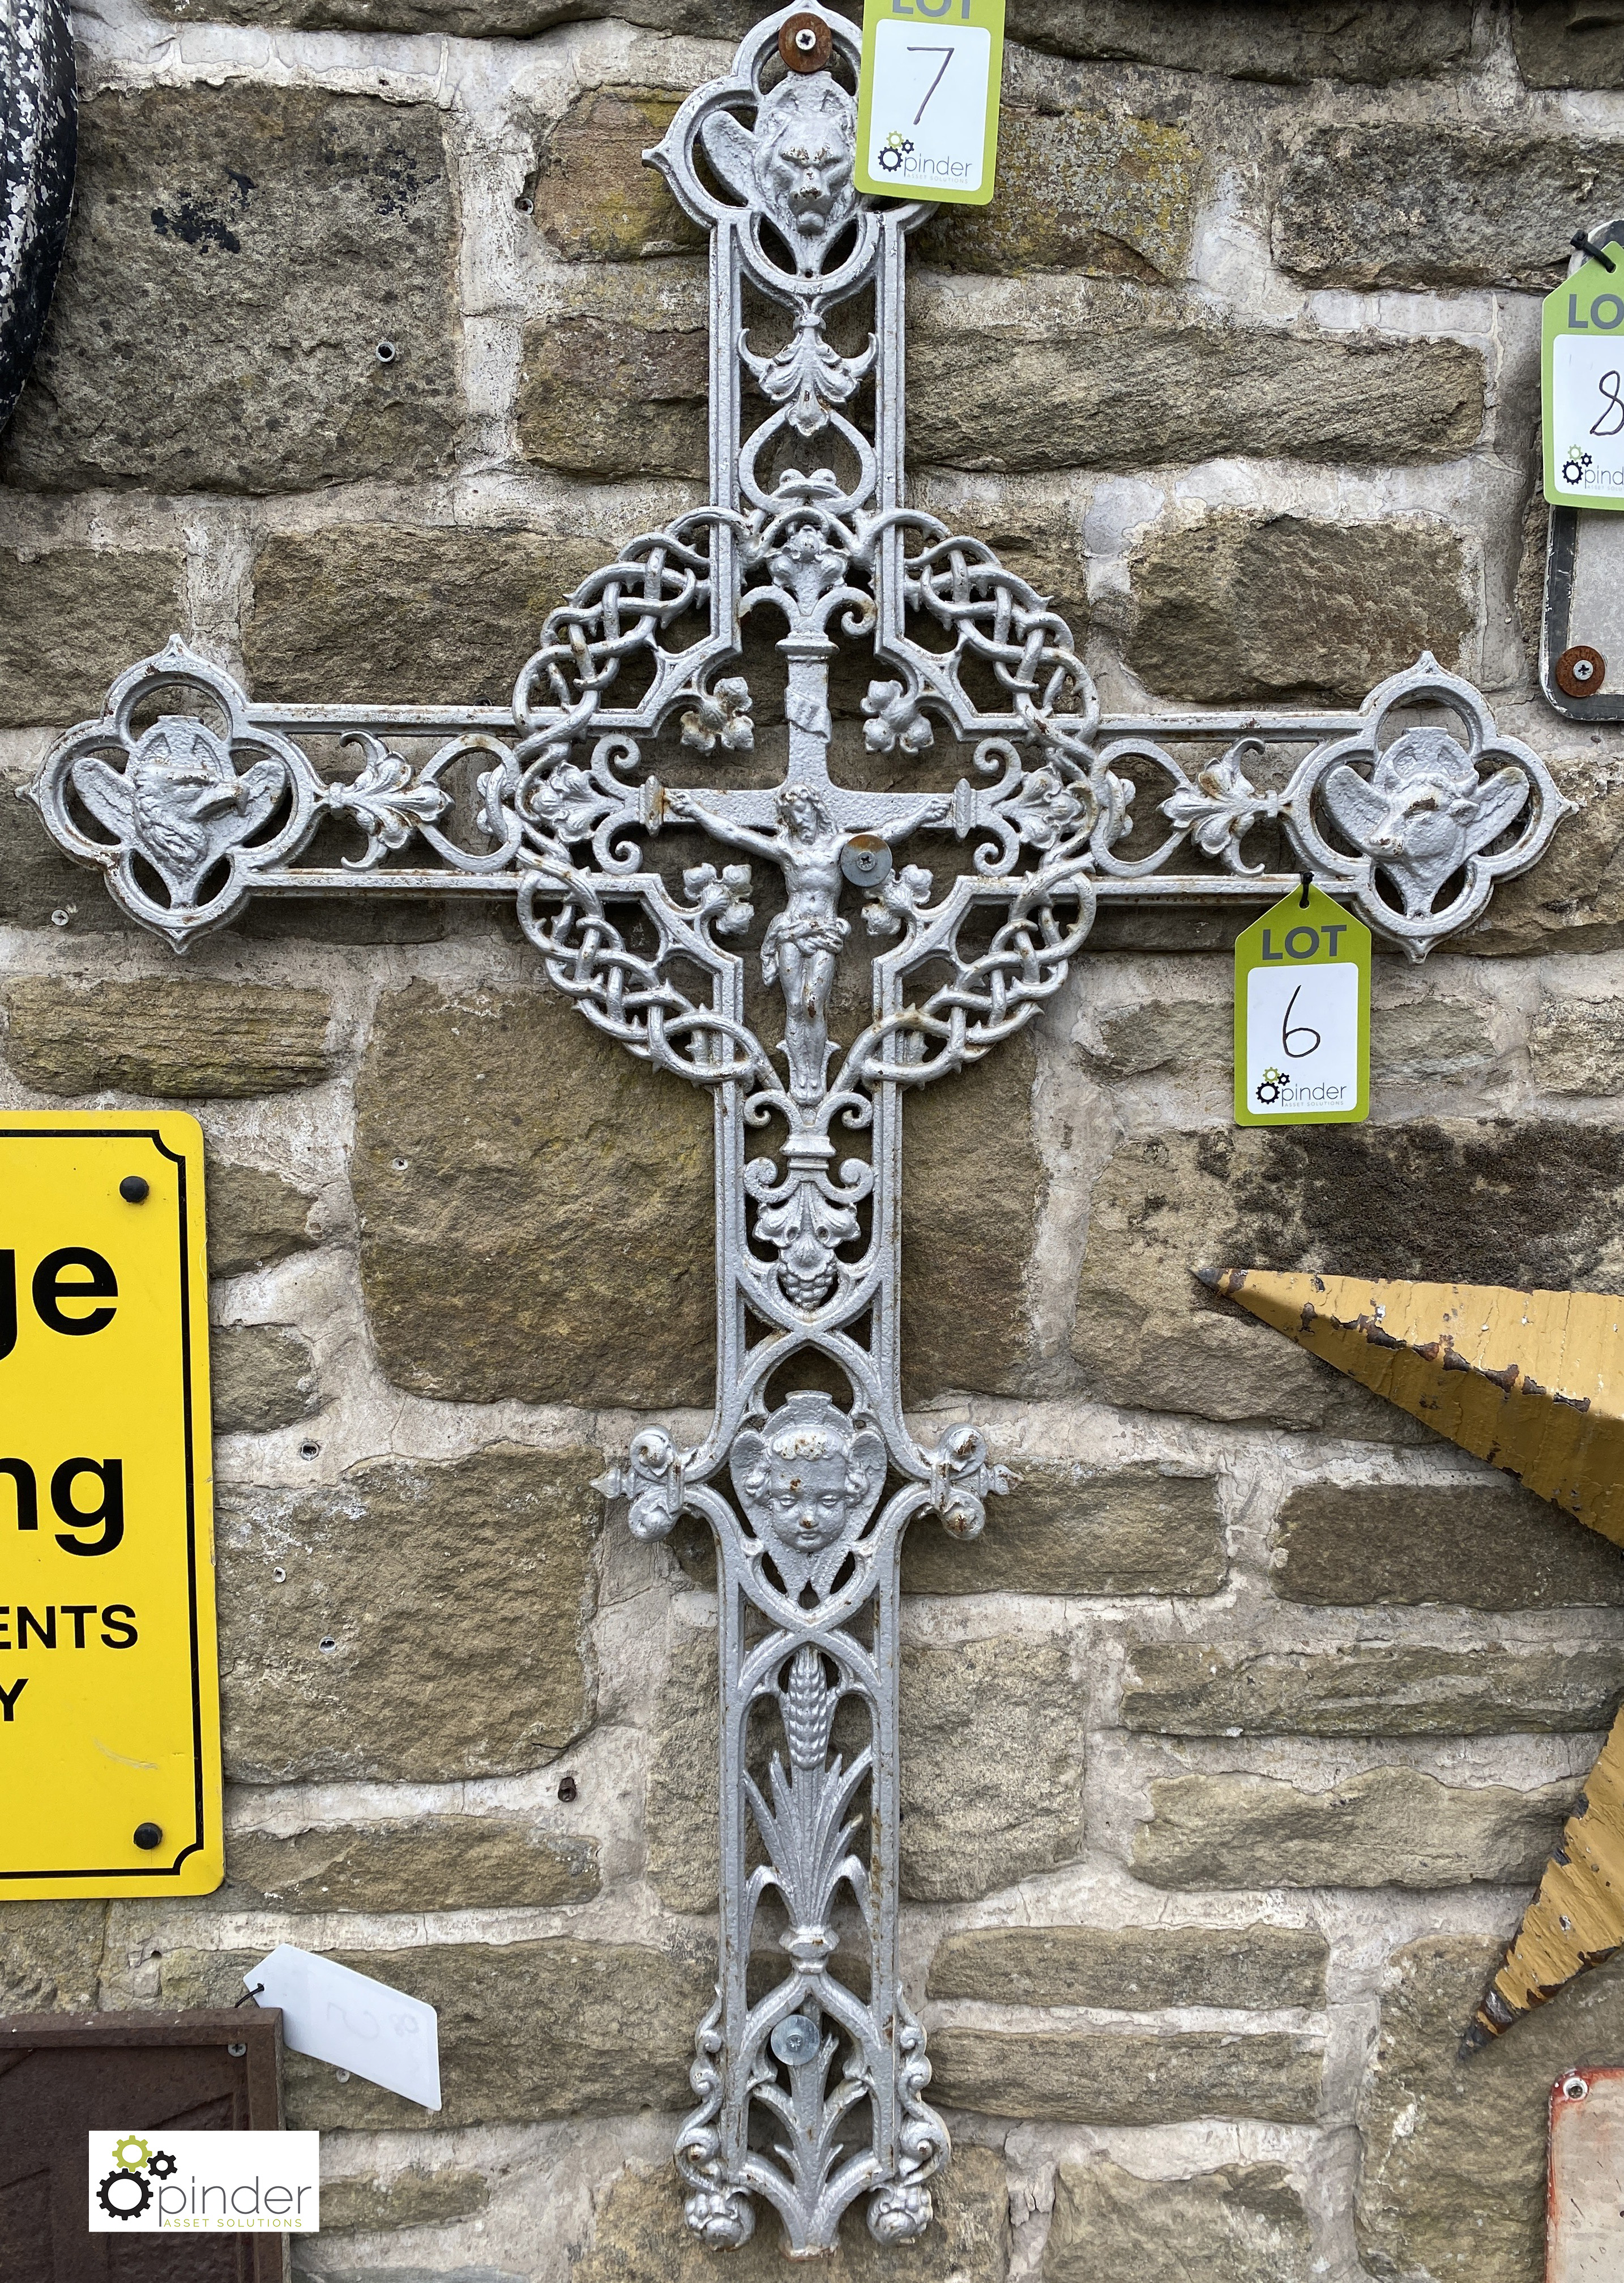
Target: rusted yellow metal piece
point(1534, 1381)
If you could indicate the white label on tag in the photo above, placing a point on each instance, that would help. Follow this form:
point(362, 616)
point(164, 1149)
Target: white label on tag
point(1302, 1038)
point(927, 126)
point(1586, 415)
point(154, 2181)
point(358, 2024)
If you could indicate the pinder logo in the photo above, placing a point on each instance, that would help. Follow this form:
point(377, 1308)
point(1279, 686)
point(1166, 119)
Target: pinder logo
point(241, 2183)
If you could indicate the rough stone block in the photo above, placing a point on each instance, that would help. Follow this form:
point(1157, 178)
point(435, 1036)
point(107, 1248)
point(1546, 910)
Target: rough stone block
point(255, 1218)
point(595, 199)
point(469, 19)
point(438, 1863)
point(973, 1185)
point(1486, 1545)
point(641, 2236)
point(1452, 2175)
point(1243, 2224)
point(238, 253)
point(1103, 192)
point(1068, 1528)
point(71, 619)
point(1140, 1967)
point(618, 388)
point(1576, 1045)
point(1389, 1828)
point(1276, 607)
point(1163, 1035)
point(992, 1736)
point(416, 2197)
point(177, 1039)
point(432, 617)
point(1530, 1204)
point(528, 2030)
point(1143, 387)
point(52, 1956)
point(1425, 1041)
point(261, 1377)
point(1182, 1690)
point(412, 1623)
point(1434, 205)
point(1559, 44)
point(1252, 39)
point(1119, 2078)
point(536, 1206)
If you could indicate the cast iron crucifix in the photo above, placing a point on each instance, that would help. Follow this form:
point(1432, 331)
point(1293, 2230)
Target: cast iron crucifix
point(810, 2082)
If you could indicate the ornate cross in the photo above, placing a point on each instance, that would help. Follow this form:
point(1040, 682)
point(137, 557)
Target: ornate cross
point(811, 2092)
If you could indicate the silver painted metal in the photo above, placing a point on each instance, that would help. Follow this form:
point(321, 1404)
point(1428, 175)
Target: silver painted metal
point(812, 2095)
point(38, 145)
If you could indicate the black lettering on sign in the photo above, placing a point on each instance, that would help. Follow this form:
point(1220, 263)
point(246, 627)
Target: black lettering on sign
point(8, 1696)
point(52, 1288)
point(121, 1614)
point(110, 1514)
point(8, 1303)
point(79, 1611)
point(27, 1491)
point(27, 1623)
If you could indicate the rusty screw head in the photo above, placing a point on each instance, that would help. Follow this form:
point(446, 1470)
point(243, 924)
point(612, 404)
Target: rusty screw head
point(1581, 671)
point(865, 860)
point(805, 43)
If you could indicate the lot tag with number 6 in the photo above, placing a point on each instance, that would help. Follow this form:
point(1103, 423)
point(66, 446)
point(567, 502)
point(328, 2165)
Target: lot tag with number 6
point(1302, 1015)
point(927, 98)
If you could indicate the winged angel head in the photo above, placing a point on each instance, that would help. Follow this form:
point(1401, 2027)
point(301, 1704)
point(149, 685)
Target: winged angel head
point(808, 1478)
point(1424, 811)
point(796, 162)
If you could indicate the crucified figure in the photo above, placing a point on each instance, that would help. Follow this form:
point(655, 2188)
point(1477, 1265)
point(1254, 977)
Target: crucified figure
point(802, 946)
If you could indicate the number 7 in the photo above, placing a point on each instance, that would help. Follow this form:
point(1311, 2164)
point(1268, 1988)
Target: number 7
point(947, 56)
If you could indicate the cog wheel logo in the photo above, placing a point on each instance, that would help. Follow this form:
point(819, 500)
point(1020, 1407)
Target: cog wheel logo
point(896, 148)
point(127, 2160)
point(1268, 1089)
point(1273, 1076)
point(124, 2195)
point(1574, 466)
point(163, 2164)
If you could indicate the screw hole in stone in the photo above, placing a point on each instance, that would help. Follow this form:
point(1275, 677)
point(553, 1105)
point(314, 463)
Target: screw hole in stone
point(310, 1450)
point(326, 1644)
point(387, 352)
point(567, 1791)
point(280, 1577)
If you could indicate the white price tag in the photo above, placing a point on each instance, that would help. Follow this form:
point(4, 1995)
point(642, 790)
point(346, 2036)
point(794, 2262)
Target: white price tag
point(335, 2014)
point(927, 98)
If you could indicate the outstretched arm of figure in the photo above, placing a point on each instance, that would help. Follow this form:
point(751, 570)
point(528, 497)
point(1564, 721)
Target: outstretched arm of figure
point(936, 811)
point(681, 804)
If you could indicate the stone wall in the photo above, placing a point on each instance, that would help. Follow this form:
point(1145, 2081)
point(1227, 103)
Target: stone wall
point(1233, 1746)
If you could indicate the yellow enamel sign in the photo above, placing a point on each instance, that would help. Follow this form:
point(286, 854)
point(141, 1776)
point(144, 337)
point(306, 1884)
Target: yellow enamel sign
point(109, 1689)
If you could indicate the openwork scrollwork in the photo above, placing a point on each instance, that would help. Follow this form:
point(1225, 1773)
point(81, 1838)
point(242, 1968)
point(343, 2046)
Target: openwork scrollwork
point(975, 897)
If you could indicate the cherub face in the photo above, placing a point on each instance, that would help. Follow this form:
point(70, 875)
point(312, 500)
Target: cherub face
point(808, 1481)
point(807, 1492)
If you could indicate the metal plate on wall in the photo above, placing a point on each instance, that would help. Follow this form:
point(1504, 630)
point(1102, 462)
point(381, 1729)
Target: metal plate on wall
point(1584, 2212)
point(1584, 603)
point(109, 1689)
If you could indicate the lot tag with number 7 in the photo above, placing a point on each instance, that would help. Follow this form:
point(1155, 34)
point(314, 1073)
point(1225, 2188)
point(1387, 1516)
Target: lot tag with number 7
point(927, 98)
point(1302, 1015)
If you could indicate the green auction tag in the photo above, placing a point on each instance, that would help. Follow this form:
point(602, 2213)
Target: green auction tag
point(927, 98)
point(1581, 385)
point(1302, 1015)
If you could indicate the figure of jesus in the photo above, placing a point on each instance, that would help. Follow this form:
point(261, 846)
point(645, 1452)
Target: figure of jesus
point(803, 945)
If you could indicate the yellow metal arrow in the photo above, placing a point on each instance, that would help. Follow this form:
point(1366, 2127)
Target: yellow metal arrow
point(1532, 1381)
